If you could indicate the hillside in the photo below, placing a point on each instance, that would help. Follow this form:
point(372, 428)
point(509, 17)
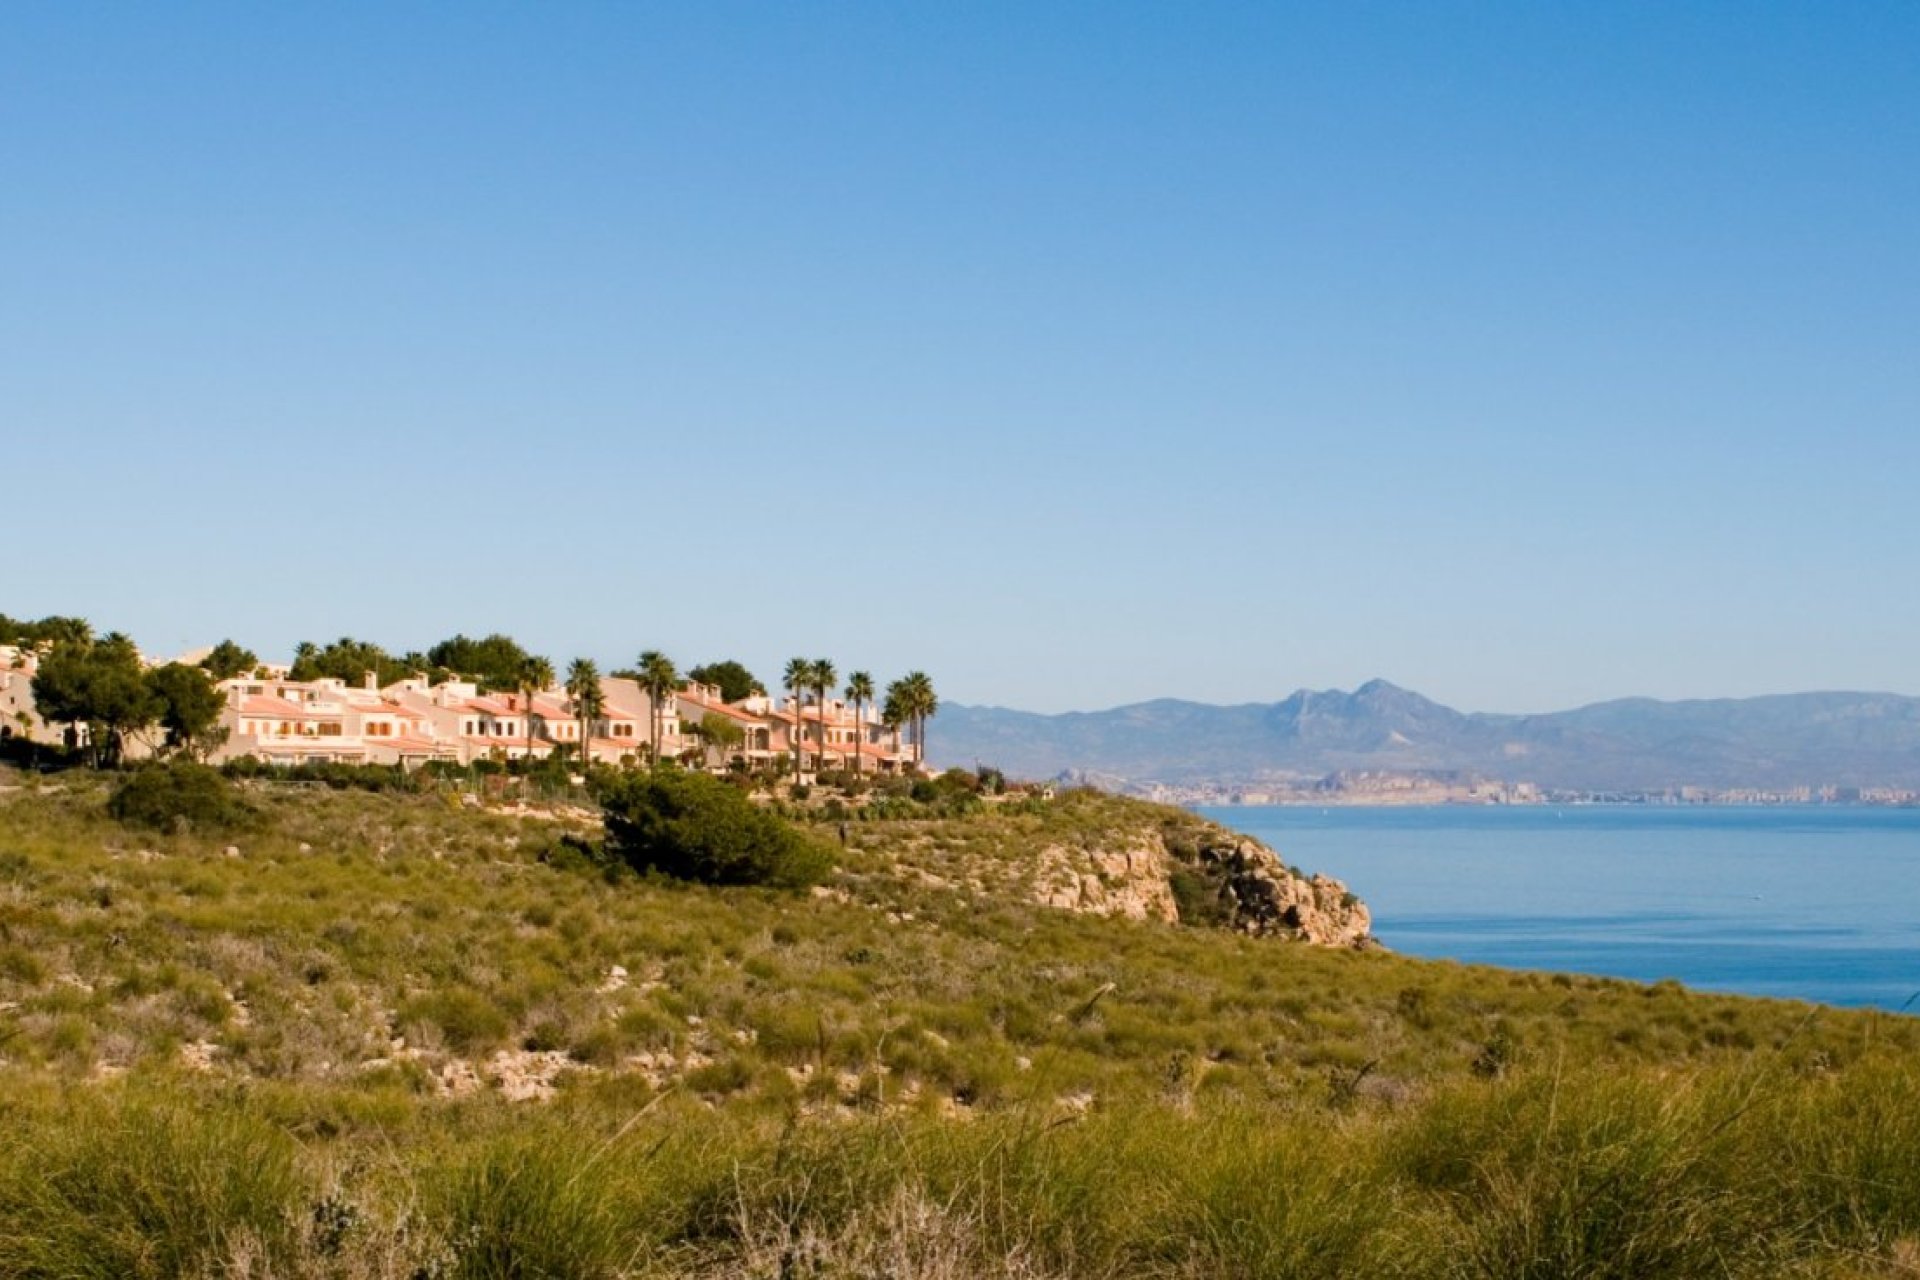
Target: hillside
point(396, 1035)
point(1810, 739)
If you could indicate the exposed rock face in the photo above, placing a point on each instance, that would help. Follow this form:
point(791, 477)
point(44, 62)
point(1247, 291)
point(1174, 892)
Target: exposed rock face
point(1130, 880)
point(1268, 897)
point(1231, 879)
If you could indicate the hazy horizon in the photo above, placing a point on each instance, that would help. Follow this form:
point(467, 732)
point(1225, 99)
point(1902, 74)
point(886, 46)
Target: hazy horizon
point(1526, 357)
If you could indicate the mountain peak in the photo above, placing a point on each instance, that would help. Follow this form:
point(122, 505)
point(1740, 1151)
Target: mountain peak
point(1378, 688)
point(1782, 742)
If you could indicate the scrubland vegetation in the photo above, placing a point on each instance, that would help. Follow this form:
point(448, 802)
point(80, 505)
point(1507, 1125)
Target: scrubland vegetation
point(394, 1035)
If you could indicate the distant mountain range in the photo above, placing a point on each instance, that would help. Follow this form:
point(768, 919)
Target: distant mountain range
point(1802, 739)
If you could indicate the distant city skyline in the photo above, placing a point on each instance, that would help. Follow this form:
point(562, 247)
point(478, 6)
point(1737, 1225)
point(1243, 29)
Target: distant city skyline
point(1523, 356)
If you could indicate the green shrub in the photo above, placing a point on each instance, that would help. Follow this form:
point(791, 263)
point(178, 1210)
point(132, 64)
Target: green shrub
point(466, 1019)
point(694, 827)
point(1198, 899)
point(178, 796)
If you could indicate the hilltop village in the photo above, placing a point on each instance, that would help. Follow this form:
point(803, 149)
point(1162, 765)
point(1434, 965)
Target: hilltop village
point(280, 714)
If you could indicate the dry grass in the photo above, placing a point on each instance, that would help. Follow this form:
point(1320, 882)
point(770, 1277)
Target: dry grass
point(296, 1062)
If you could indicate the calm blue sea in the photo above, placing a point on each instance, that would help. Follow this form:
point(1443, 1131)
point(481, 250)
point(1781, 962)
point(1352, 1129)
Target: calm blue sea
point(1812, 903)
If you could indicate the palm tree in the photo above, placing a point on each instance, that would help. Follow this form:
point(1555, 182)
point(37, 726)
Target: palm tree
point(823, 677)
point(535, 674)
point(894, 712)
point(589, 704)
point(659, 678)
point(859, 693)
point(921, 704)
point(799, 675)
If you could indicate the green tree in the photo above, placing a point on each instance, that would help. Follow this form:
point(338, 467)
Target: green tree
point(101, 685)
point(735, 682)
point(721, 735)
point(227, 660)
point(823, 676)
point(860, 694)
point(659, 678)
point(188, 706)
point(346, 659)
point(695, 827)
point(798, 676)
point(46, 631)
point(911, 701)
point(893, 711)
point(922, 704)
point(589, 703)
point(493, 662)
point(535, 674)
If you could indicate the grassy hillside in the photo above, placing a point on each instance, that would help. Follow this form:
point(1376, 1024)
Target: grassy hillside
point(393, 1036)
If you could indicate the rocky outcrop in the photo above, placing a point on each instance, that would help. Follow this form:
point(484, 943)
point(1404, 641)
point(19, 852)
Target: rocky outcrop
point(1265, 896)
point(1131, 880)
point(1193, 871)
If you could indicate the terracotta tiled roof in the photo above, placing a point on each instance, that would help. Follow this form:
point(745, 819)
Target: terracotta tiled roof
point(282, 709)
point(407, 742)
point(722, 708)
point(491, 706)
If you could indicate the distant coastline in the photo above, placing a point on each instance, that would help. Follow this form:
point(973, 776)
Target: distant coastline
point(1382, 745)
point(1384, 791)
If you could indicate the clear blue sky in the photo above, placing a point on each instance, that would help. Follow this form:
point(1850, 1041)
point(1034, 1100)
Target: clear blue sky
point(1523, 354)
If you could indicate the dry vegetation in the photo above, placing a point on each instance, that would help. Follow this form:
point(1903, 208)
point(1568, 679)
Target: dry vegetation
point(387, 1035)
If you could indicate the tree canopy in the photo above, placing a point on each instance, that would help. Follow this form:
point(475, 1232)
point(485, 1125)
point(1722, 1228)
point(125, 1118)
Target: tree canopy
point(589, 703)
point(659, 678)
point(49, 630)
point(99, 684)
point(734, 681)
point(349, 660)
point(693, 827)
point(187, 706)
point(492, 662)
point(721, 735)
point(911, 701)
point(227, 660)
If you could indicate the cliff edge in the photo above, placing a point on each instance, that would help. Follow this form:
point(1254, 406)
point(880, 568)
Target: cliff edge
point(1187, 870)
point(1104, 855)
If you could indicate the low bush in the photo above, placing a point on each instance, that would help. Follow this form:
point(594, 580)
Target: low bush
point(338, 776)
point(179, 796)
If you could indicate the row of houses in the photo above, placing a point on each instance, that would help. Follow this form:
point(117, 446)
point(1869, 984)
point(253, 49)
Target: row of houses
point(283, 721)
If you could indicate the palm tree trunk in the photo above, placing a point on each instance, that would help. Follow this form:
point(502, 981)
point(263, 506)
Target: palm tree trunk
point(859, 732)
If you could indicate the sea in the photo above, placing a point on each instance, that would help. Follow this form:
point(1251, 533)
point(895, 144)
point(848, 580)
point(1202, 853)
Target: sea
point(1817, 903)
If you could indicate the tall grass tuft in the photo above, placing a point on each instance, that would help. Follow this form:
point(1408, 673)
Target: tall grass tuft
point(1595, 1176)
point(540, 1204)
point(127, 1187)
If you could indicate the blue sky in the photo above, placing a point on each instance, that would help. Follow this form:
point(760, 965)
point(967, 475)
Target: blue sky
point(1526, 355)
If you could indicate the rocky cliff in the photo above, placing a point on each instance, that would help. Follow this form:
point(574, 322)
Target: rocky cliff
point(1194, 872)
point(1106, 855)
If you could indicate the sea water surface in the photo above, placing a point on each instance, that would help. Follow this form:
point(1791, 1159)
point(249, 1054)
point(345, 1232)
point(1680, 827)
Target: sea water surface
point(1815, 903)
